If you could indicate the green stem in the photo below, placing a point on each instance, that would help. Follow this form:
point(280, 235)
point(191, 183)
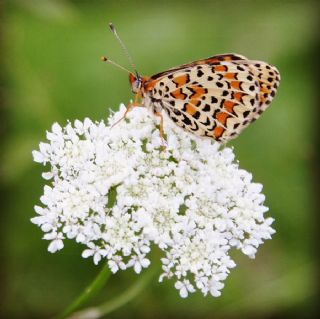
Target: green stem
point(117, 302)
point(93, 288)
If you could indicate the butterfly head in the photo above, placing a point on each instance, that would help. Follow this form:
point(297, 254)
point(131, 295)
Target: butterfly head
point(136, 82)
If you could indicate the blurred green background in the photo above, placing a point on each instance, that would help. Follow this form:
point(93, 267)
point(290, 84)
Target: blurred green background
point(51, 71)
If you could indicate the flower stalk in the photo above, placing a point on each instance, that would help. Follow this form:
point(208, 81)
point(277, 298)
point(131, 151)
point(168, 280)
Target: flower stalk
point(119, 301)
point(89, 292)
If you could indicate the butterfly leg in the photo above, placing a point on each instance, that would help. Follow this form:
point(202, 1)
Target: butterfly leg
point(130, 106)
point(163, 141)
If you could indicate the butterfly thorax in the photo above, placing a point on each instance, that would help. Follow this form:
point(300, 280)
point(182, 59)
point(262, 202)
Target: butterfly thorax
point(141, 86)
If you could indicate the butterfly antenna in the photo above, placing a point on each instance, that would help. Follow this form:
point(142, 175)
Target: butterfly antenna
point(105, 59)
point(124, 48)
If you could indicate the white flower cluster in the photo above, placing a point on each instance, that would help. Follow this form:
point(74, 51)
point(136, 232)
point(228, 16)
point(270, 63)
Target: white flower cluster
point(117, 191)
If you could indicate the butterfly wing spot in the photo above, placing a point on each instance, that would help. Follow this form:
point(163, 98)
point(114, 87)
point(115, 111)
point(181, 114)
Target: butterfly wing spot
point(200, 73)
point(237, 96)
point(230, 76)
point(222, 117)
point(228, 105)
point(236, 85)
point(218, 131)
point(178, 94)
point(219, 68)
point(197, 91)
point(264, 89)
point(214, 100)
point(195, 102)
point(149, 85)
point(206, 108)
point(190, 109)
point(181, 80)
point(246, 114)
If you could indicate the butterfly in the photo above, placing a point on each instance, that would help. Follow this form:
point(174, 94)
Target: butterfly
point(216, 97)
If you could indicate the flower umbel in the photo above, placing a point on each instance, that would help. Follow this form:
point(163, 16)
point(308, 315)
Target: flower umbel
point(116, 191)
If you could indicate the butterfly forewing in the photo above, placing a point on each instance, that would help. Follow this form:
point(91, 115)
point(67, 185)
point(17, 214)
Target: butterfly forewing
point(215, 97)
point(216, 59)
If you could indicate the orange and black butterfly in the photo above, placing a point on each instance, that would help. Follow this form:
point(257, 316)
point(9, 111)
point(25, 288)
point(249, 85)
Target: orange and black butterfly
point(215, 97)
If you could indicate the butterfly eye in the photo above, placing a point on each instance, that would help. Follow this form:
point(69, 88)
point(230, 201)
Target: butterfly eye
point(138, 83)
